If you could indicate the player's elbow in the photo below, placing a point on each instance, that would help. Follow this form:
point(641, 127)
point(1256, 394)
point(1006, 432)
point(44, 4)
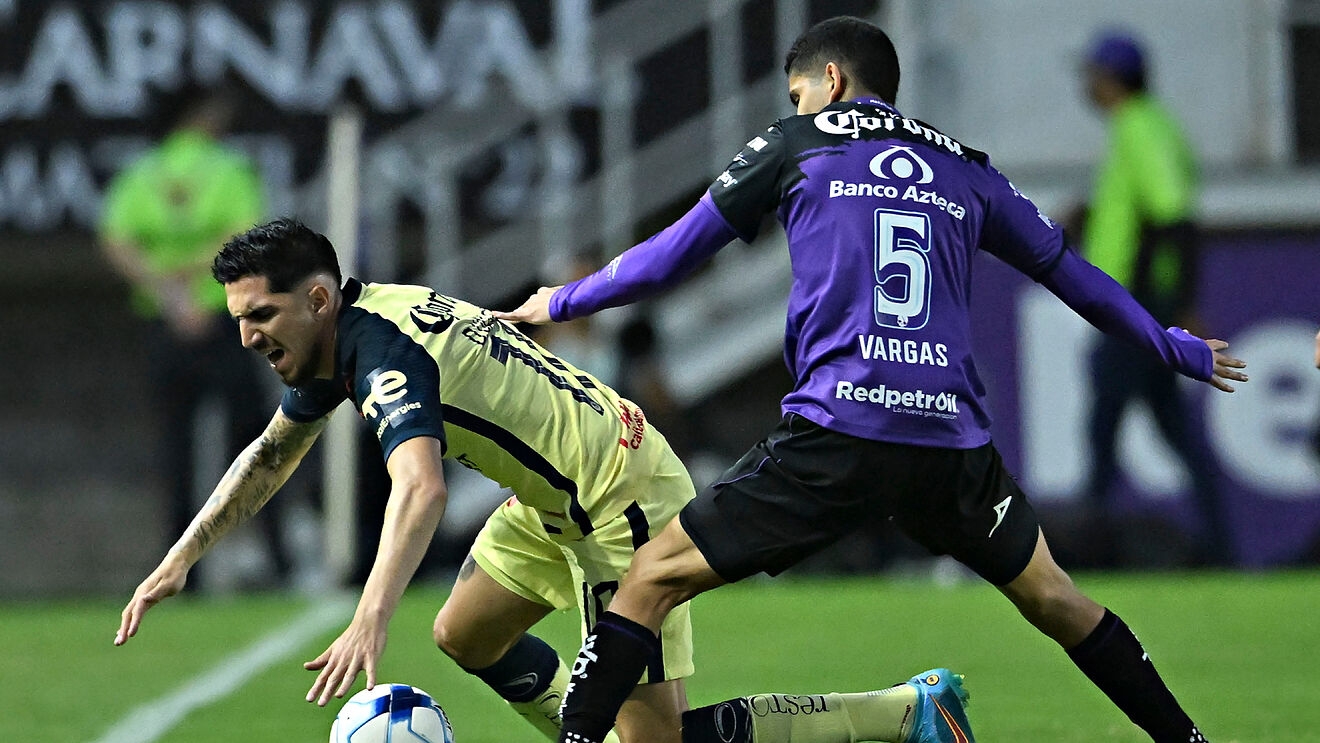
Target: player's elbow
point(418, 504)
point(426, 496)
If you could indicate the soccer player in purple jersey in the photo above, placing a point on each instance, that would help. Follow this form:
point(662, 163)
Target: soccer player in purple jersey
point(883, 216)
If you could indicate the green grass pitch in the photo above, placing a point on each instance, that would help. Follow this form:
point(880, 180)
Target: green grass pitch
point(1239, 649)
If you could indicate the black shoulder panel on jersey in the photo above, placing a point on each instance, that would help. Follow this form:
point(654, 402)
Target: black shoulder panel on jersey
point(313, 400)
point(753, 183)
point(852, 120)
point(396, 382)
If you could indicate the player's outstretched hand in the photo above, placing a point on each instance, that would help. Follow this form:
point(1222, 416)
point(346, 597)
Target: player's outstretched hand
point(166, 580)
point(1225, 366)
point(536, 310)
point(358, 649)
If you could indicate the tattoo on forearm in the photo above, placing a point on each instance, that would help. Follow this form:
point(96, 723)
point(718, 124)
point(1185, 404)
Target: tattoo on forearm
point(254, 477)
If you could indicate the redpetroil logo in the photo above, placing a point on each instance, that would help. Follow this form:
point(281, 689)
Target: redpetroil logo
point(944, 404)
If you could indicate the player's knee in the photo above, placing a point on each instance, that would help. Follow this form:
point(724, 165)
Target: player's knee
point(1046, 592)
point(453, 643)
point(1057, 608)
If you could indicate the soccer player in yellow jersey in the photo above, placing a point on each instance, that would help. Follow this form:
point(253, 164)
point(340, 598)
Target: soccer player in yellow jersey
point(435, 377)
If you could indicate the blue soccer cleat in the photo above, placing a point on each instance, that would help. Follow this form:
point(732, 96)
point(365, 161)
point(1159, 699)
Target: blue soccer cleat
point(938, 716)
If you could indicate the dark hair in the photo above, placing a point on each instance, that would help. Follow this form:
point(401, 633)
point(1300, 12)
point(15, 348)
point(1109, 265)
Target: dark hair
point(285, 251)
point(861, 48)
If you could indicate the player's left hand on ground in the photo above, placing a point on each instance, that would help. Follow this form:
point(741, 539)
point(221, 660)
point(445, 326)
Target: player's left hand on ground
point(165, 581)
point(1225, 366)
point(536, 310)
point(358, 649)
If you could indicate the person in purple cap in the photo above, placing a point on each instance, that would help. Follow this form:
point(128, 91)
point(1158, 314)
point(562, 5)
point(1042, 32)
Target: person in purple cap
point(1139, 228)
point(883, 216)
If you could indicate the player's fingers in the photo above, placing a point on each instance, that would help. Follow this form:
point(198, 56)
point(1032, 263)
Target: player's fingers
point(135, 617)
point(121, 635)
point(322, 663)
point(1226, 367)
point(1221, 385)
point(346, 682)
point(370, 668)
point(1215, 344)
point(318, 662)
point(318, 686)
point(333, 673)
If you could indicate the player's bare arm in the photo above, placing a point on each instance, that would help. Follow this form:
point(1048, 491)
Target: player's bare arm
point(536, 310)
point(415, 507)
point(251, 480)
point(1226, 366)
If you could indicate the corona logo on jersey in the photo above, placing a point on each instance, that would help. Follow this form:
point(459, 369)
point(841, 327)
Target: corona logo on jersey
point(851, 123)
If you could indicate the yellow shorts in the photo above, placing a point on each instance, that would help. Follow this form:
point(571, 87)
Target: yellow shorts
point(515, 549)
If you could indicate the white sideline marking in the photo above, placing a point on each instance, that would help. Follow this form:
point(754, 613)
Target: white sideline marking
point(150, 721)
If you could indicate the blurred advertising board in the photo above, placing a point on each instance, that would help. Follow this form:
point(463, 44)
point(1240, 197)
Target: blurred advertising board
point(1258, 293)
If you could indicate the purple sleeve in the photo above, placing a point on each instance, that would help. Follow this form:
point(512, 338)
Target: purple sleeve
point(649, 267)
point(1105, 304)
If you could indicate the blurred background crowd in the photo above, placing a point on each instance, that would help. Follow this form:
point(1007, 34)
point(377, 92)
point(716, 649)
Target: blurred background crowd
point(486, 147)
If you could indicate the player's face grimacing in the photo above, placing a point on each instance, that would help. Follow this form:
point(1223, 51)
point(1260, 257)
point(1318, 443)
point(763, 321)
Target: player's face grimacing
point(291, 329)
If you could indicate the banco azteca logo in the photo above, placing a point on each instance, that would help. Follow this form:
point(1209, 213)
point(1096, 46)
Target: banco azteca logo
point(901, 163)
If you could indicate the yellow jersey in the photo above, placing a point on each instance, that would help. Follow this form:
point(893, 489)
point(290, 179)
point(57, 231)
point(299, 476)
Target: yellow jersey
point(419, 363)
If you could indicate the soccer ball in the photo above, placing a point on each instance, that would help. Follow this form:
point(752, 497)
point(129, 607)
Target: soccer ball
point(397, 713)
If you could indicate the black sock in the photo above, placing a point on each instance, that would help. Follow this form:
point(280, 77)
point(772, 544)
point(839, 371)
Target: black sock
point(726, 722)
point(605, 673)
point(1112, 657)
point(524, 672)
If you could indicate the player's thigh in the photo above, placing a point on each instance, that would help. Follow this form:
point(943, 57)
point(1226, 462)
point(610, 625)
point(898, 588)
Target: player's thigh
point(962, 502)
point(599, 564)
point(796, 492)
point(653, 713)
point(482, 619)
point(513, 577)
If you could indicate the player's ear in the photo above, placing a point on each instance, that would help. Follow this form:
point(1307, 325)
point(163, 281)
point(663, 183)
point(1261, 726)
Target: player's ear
point(318, 295)
point(837, 81)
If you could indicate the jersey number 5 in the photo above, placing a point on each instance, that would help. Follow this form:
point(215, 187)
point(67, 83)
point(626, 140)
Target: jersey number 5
point(902, 269)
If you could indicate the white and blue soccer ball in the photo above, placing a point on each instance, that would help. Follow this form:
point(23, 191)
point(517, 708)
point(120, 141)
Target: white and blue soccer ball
point(397, 713)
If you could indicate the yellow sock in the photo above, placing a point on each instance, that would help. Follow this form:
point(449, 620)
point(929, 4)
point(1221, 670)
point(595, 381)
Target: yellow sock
point(884, 715)
point(543, 711)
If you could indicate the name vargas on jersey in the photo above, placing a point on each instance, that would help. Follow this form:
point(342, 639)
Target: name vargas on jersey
point(894, 350)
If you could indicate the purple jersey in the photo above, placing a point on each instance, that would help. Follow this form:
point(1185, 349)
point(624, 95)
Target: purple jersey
point(883, 216)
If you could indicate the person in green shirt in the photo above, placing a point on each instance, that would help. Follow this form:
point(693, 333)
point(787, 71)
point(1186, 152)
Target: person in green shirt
point(1140, 229)
point(163, 219)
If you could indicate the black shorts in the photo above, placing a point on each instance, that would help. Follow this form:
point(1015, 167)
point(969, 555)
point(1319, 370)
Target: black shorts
point(804, 487)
